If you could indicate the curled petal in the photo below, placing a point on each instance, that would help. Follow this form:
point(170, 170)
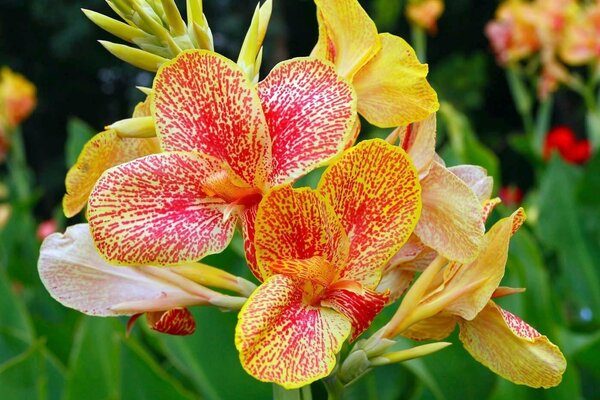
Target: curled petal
point(155, 210)
point(451, 219)
point(204, 102)
point(418, 140)
point(358, 304)
point(476, 178)
point(283, 340)
point(400, 95)
point(511, 348)
point(178, 321)
point(75, 275)
point(346, 34)
point(375, 190)
point(297, 224)
point(310, 111)
point(438, 327)
point(103, 151)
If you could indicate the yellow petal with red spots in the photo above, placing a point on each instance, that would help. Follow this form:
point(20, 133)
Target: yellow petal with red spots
point(315, 269)
point(284, 340)
point(156, 209)
point(451, 219)
point(358, 304)
point(347, 34)
point(438, 327)
point(392, 87)
point(204, 102)
point(470, 286)
point(248, 221)
point(511, 348)
point(297, 224)
point(103, 151)
point(178, 322)
point(310, 111)
point(374, 189)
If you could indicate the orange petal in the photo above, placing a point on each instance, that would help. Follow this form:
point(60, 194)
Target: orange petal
point(297, 224)
point(346, 34)
point(451, 219)
point(438, 327)
point(178, 321)
point(283, 340)
point(103, 151)
point(392, 89)
point(203, 102)
point(155, 210)
point(511, 348)
point(375, 191)
point(310, 111)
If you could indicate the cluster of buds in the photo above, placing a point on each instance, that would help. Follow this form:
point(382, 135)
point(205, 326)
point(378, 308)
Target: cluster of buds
point(213, 149)
point(17, 101)
point(548, 35)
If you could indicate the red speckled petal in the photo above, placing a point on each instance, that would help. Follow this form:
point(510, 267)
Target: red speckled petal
point(314, 269)
point(310, 111)
point(297, 224)
point(248, 220)
point(451, 219)
point(358, 304)
point(78, 277)
point(204, 102)
point(283, 340)
point(511, 348)
point(154, 210)
point(418, 140)
point(374, 189)
point(178, 321)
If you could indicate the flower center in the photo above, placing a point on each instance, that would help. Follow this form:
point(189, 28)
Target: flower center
point(231, 189)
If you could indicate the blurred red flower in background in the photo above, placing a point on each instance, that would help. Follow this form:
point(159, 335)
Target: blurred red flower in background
point(563, 140)
point(511, 195)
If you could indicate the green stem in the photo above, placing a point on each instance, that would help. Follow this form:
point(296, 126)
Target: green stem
point(303, 393)
point(334, 387)
point(542, 125)
point(17, 166)
point(522, 99)
point(419, 42)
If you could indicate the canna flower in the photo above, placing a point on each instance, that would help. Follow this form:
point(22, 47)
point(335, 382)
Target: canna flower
point(425, 13)
point(511, 195)
point(581, 42)
point(563, 140)
point(76, 276)
point(321, 254)
point(349, 38)
point(225, 142)
point(105, 150)
point(451, 293)
point(17, 98)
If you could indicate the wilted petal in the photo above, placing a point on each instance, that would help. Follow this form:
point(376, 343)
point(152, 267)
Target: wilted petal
point(297, 224)
point(78, 277)
point(178, 321)
point(476, 178)
point(283, 340)
point(438, 327)
point(391, 87)
point(346, 34)
point(103, 151)
point(358, 304)
point(451, 218)
point(155, 210)
point(204, 102)
point(511, 348)
point(375, 191)
point(310, 111)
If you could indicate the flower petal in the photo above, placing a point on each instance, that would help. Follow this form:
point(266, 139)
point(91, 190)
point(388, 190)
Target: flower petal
point(103, 151)
point(297, 224)
point(400, 95)
point(78, 277)
point(438, 327)
point(476, 178)
point(248, 221)
point(374, 189)
point(204, 102)
point(310, 111)
point(358, 304)
point(347, 33)
point(178, 321)
point(283, 340)
point(451, 219)
point(511, 348)
point(418, 140)
point(154, 210)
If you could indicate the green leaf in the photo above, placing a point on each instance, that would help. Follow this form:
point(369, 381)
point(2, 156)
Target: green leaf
point(78, 134)
point(210, 360)
point(13, 314)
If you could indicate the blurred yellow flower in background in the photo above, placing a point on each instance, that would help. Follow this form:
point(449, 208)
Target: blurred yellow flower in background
point(17, 97)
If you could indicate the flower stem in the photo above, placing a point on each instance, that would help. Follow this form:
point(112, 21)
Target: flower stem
point(419, 42)
point(303, 393)
point(17, 166)
point(334, 388)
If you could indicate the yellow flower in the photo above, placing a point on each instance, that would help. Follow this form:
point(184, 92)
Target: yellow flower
point(425, 13)
point(17, 97)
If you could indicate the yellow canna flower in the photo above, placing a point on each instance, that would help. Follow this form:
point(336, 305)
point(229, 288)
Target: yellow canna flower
point(17, 97)
point(390, 81)
point(425, 13)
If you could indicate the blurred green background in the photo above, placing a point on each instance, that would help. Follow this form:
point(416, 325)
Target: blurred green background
point(49, 352)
